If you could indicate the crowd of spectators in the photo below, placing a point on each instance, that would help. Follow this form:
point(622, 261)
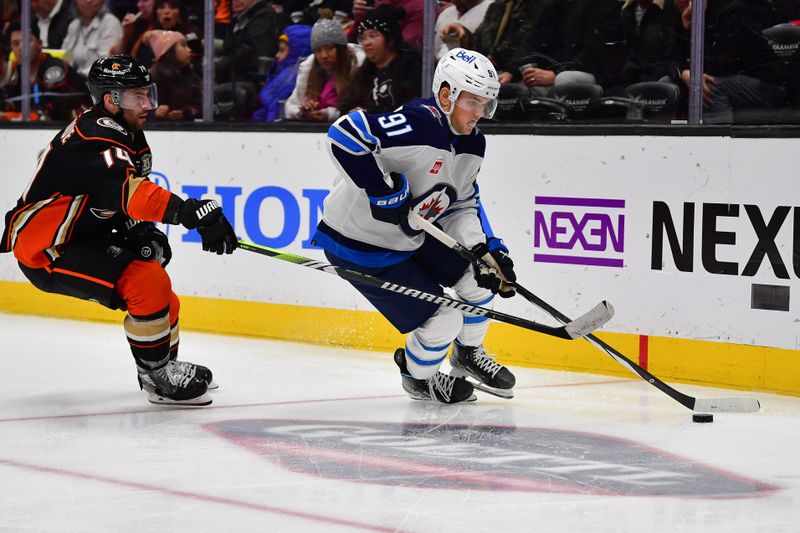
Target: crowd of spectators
point(315, 60)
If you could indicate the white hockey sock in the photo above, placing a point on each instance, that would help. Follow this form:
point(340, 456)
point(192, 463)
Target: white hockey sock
point(426, 346)
point(474, 328)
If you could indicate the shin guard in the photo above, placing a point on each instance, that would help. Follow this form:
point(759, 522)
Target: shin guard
point(427, 346)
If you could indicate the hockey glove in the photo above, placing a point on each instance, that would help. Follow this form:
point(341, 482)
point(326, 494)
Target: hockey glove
point(391, 205)
point(146, 241)
point(496, 272)
point(215, 230)
point(143, 240)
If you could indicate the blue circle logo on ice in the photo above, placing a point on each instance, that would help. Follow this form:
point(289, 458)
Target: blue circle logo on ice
point(482, 457)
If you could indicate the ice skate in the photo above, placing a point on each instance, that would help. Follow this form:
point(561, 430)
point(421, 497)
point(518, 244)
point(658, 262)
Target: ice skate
point(439, 388)
point(174, 384)
point(201, 372)
point(489, 376)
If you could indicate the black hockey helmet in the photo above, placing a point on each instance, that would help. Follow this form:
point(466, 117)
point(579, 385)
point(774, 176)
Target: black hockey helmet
point(115, 74)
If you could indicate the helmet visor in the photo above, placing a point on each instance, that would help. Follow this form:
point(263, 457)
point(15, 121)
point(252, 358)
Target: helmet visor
point(476, 105)
point(139, 99)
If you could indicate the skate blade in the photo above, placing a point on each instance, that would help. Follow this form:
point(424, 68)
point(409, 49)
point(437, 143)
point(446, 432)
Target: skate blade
point(506, 394)
point(200, 401)
point(426, 399)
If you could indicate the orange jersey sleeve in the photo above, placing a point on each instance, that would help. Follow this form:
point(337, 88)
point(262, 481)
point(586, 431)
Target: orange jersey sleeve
point(144, 200)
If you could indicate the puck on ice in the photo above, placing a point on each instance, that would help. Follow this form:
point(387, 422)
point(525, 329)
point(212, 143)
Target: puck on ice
point(702, 418)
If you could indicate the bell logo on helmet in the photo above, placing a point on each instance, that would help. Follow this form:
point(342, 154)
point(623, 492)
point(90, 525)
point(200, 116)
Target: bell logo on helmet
point(115, 66)
point(464, 56)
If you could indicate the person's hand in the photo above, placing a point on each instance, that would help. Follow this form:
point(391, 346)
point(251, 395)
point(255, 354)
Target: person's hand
point(361, 8)
point(497, 272)
point(175, 114)
point(505, 77)
point(145, 241)
point(708, 94)
point(308, 107)
point(453, 27)
point(318, 115)
point(538, 76)
point(162, 111)
point(215, 230)
point(686, 16)
point(129, 22)
point(391, 204)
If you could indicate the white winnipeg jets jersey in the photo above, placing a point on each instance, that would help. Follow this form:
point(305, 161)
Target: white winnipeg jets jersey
point(441, 169)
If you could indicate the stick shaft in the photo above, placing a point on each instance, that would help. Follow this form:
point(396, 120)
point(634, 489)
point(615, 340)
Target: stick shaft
point(690, 402)
point(411, 292)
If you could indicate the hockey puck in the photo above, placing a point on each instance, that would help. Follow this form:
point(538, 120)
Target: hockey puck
point(702, 418)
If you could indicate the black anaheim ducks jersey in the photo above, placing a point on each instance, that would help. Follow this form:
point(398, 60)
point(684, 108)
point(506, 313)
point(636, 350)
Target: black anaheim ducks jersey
point(91, 176)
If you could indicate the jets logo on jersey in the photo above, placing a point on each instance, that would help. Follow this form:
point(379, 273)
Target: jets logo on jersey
point(107, 122)
point(102, 214)
point(437, 166)
point(433, 203)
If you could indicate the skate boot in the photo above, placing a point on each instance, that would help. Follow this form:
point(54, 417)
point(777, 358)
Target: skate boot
point(474, 362)
point(439, 388)
point(200, 371)
point(174, 384)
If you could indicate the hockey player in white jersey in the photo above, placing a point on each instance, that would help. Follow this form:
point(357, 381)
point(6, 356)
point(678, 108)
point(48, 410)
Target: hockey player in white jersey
point(425, 157)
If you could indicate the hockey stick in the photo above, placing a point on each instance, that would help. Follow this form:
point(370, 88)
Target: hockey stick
point(571, 330)
point(710, 405)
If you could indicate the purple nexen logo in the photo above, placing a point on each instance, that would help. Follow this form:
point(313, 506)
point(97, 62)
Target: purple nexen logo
point(579, 231)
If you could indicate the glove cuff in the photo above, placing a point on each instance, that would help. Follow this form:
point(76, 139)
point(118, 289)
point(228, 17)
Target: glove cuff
point(398, 194)
point(194, 213)
point(496, 243)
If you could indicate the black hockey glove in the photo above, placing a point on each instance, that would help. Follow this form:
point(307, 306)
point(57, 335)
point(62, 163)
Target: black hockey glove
point(215, 230)
point(497, 273)
point(145, 241)
point(391, 204)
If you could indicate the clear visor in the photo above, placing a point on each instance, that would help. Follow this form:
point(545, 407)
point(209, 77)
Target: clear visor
point(139, 99)
point(476, 105)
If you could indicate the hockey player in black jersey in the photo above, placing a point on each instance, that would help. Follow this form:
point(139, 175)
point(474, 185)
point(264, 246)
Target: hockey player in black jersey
point(424, 157)
point(84, 228)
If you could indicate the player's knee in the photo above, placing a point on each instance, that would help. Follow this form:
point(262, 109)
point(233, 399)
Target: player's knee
point(145, 287)
point(441, 328)
point(467, 289)
point(174, 308)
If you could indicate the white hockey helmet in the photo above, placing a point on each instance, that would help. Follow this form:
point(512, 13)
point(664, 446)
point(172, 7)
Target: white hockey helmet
point(470, 71)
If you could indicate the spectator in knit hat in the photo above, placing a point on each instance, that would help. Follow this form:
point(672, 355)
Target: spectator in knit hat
point(411, 25)
point(390, 75)
point(294, 45)
point(179, 86)
point(325, 74)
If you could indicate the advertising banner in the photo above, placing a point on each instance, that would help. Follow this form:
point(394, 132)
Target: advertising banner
point(695, 237)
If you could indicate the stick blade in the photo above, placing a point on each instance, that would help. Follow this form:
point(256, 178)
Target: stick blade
point(584, 325)
point(726, 405)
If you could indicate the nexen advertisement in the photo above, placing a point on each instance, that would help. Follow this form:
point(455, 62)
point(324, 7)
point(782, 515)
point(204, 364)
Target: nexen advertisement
point(687, 237)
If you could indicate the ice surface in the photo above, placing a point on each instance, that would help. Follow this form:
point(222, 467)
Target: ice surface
point(308, 438)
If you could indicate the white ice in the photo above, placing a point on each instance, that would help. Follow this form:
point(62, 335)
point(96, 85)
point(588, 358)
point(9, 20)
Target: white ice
point(82, 450)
